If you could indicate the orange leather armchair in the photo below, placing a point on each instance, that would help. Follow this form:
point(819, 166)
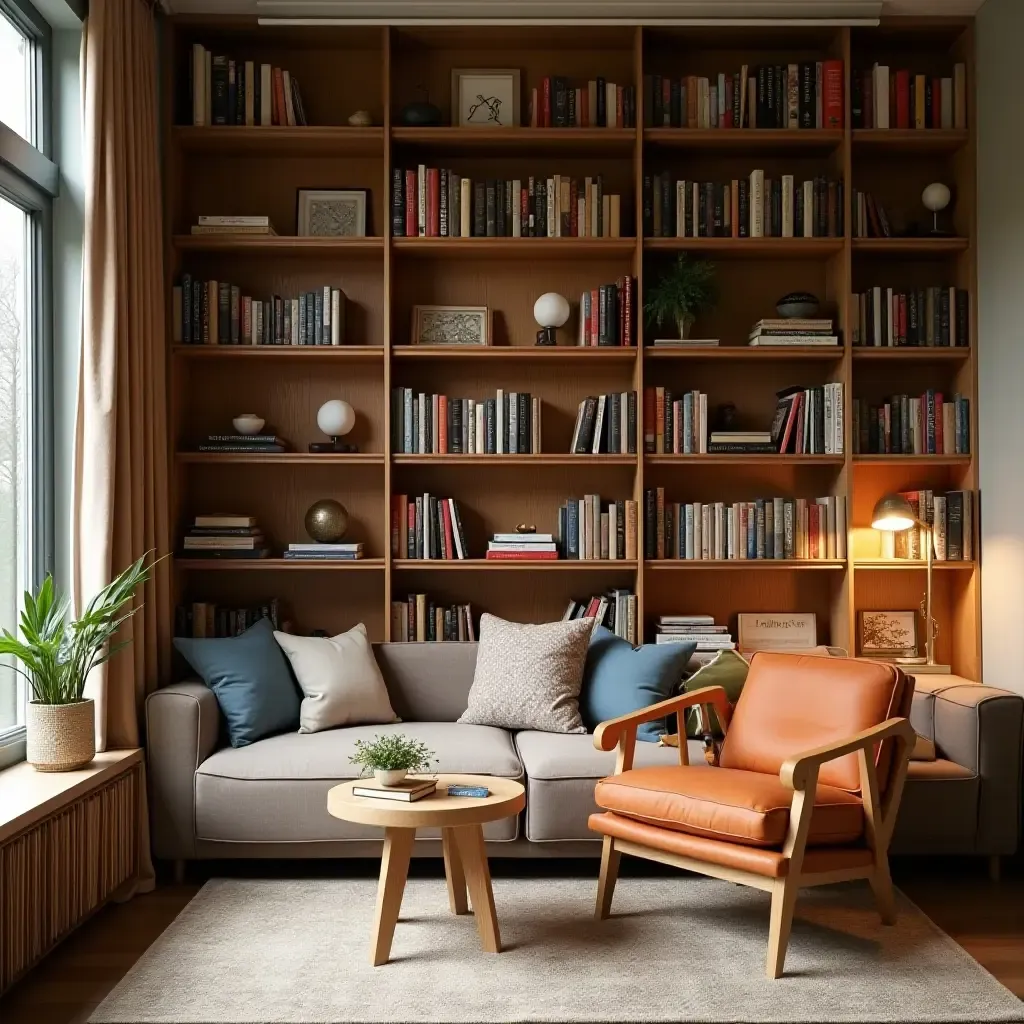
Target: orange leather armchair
point(806, 791)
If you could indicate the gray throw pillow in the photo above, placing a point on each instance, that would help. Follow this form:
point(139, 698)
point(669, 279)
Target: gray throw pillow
point(529, 676)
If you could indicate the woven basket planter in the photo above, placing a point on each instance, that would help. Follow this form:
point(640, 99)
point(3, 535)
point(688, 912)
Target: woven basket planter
point(60, 737)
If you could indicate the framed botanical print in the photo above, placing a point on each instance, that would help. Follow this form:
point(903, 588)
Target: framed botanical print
point(451, 325)
point(888, 635)
point(485, 98)
point(332, 213)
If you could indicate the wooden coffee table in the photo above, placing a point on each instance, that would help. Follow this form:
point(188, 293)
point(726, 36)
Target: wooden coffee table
point(465, 857)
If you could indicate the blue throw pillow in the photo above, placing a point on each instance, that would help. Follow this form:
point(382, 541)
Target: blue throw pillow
point(619, 678)
point(250, 678)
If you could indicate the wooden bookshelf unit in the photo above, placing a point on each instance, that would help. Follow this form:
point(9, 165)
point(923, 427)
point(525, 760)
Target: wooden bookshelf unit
point(230, 170)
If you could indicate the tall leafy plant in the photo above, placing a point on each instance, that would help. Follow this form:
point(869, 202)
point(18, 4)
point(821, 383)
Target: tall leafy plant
point(57, 652)
point(681, 292)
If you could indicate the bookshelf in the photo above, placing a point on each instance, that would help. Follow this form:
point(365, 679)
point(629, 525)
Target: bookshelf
point(248, 170)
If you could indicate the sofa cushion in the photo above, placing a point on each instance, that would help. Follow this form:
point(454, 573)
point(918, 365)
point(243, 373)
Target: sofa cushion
point(562, 771)
point(276, 790)
point(727, 804)
point(938, 810)
point(427, 682)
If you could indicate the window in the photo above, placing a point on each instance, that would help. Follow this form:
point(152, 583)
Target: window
point(28, 184)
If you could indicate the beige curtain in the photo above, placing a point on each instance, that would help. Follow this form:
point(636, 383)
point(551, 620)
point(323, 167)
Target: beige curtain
point(121, 473)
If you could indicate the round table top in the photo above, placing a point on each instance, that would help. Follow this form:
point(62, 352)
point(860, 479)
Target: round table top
point(507, 797)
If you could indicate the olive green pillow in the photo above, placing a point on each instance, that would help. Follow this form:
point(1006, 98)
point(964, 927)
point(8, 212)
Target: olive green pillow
point(728, 670)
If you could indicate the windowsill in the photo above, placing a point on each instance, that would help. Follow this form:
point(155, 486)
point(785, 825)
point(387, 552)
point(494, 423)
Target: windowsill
point(26, 796)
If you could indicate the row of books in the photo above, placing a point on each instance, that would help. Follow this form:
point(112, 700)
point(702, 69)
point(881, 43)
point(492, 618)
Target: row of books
point(927, 424)
point(426, 526)
point(809, 421)
point(217, 313)
point(591, 528)
point(419, 618)
point(608, 314)
point(206, 619)
point(225, 91)
point(431, 424)
point(752, 207)
point(934, 317)
point(951, 516)
point(260, 444)
point(702, 630)
point(224, 536)
point(605, 425)
point(869, 217)
point(779, 332)
point(675, 425)
point(886, 97)
point(436, 202)
point(808, 94)
point(557, 103)
point(616, 610)
point(766, 528)
point(522, 547)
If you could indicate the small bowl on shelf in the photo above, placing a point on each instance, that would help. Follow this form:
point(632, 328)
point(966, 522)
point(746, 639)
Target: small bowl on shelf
point(248, 423)
point(797, 304)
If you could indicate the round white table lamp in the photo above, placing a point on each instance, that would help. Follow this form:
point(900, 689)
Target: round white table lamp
point(335, 418)
point(936, 197)
point(550, 311)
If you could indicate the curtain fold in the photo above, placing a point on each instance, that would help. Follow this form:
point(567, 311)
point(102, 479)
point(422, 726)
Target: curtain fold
point(120, 507)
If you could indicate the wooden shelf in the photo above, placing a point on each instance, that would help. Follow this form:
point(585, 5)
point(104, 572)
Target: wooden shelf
point(910, 140)
point(910, 246)
point(745, 460)
point(902, 565)
point(751, 248)
point(277, 564)
point(280, 459)
point(530, 141)
point(475, 461)
point(786, 564)
point(748, 353)
point(343, 353)
point(923, 354)
point(912, 460)
point(515, 248)
point(279, 141)
point(745, 140)
point(514, 565)
point(540, 353)
point(279, 245)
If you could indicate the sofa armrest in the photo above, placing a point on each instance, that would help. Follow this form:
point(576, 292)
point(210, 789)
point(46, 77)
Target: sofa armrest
point(982, 729)
point(182, 727)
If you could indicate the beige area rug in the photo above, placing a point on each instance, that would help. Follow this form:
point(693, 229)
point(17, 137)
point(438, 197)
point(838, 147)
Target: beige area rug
point(676, 949)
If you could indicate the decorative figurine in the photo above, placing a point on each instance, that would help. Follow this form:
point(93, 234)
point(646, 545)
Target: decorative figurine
point(335, 418)
point(936, 197)
point(326, 521)
point(360, 119)
point(797, 304)
point(248, 423)
point(422, 114)
point(551, 311)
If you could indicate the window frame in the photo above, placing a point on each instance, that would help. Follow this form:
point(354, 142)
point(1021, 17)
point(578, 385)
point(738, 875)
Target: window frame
point(30, 180)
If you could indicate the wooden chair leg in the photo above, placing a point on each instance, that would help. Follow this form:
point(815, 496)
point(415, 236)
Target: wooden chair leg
point(783, 904)
point(606, 879)
point(881, 886)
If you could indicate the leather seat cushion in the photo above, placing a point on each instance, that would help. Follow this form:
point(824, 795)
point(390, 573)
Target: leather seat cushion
point(727, 804)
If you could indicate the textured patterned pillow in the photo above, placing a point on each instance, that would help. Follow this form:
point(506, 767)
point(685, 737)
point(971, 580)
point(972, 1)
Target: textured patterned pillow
point(529, 676)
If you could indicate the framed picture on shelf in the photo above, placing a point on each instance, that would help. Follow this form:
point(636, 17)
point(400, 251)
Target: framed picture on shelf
point(888, 635)
point(332, 213)
point(485, 97)
point(451, 325)
point(776, 631)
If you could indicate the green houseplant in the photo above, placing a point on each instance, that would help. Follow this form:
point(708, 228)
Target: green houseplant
point(56, 654)
point(391, 757)
point(681, 292)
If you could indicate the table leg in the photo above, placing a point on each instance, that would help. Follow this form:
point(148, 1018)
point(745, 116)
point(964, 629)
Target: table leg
point(453, 873)
point(394, 868)
point(470, 840)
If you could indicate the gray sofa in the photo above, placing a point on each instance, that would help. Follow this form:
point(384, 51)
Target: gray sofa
point(269, 799)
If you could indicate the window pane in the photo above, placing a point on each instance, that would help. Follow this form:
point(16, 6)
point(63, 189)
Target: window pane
point(14, 390)
point(15, 78)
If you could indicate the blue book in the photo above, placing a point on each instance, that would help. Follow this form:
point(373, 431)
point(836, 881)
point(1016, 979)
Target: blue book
point(478, 791)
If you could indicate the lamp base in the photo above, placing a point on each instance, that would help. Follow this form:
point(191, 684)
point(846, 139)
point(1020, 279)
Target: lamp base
point(546, 336)
point(332, 447)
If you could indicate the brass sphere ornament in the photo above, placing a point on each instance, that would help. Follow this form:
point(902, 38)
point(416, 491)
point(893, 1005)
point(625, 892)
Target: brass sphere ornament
point(326, 521)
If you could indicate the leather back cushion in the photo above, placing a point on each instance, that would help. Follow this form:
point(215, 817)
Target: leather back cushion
point(794, 703)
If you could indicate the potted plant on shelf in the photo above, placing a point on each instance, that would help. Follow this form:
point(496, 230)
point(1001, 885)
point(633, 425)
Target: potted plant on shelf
point(391, 757)
point(57, 654)
point(684, 290)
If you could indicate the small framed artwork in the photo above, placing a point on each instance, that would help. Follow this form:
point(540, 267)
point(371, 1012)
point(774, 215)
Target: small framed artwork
point(485, 98)
point(890, 635)
point(451, 325)
point(332, 213)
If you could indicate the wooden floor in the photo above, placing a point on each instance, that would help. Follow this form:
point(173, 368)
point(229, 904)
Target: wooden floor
point(986, 918)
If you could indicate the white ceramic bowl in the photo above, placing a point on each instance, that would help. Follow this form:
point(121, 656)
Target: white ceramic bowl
point(248, 423)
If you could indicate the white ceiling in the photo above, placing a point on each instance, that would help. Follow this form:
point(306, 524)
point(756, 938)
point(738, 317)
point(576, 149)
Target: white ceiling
point(427, 11)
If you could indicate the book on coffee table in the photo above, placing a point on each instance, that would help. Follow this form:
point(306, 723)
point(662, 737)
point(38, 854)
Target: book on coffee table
point(407, 790)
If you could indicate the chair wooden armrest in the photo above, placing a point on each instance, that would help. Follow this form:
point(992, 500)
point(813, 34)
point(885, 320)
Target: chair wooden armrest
point(608, 734)
point(799, 771)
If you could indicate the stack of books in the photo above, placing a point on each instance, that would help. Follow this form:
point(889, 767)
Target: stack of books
point(725, 442)
point(927, 424)
point(206, 619)
point(597, 104)
point(783, 331)
point(225, 536)
point(685, 343)
point(426, 526)
point(710, 639)
point(587, 532)
point(809, 421)
point(675, 426)
point(233, 226)
point(317, 552)
point(607, 314)
point(616, 610)
point(605, 425)
point(419, 619)
point(522, 547)
point(408, 790)
point(256, 443)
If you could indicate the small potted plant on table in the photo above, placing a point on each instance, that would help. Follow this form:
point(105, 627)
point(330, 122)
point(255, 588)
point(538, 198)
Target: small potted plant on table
point(683, 290)
point(391, 757)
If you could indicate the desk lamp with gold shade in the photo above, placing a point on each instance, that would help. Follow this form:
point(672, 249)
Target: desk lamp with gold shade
point(894, 514)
